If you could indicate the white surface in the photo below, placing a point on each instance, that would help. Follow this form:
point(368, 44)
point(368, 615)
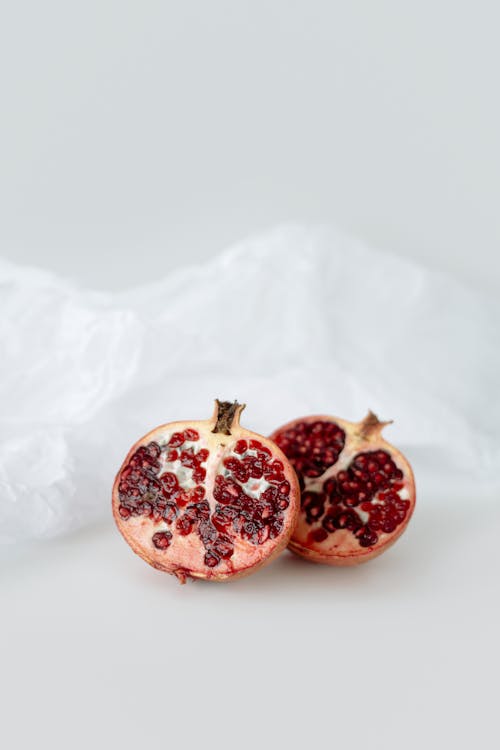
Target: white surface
point(98, 649)
point(134, 137)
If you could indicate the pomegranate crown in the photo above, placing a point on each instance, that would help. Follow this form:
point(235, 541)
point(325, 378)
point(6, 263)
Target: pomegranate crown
point(226, 415)
point(371, 426)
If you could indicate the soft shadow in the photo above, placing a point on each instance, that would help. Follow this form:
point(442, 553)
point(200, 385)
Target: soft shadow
point(436, 530)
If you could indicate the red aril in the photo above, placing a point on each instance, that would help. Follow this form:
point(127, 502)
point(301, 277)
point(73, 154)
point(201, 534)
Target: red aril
point(206, 499)
point(358, 491)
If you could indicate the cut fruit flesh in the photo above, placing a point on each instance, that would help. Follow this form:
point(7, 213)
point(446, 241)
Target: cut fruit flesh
point(206, 499)
point(358, 491)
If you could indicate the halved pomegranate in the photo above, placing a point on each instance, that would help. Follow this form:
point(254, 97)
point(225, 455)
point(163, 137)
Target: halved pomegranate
point(206, 499)
point(358, 491)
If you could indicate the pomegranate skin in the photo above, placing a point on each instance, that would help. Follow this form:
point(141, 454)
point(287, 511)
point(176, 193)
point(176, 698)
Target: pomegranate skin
point(184, 501)
point(335, 528)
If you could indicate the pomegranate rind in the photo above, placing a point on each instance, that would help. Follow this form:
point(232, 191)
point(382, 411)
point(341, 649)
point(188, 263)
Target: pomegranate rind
point(183, 558)
point(345, 550)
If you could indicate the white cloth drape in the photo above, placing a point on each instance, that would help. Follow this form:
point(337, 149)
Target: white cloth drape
point(294, 322)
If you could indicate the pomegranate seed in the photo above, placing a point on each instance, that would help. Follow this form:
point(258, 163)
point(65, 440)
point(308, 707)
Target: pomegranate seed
point(224, 516)
point(231, 463)
point(249, 528)
point(262, 535)
point(256, 468)
point(184, 525)
point(208, 532)
point(329, 524)
point(199, 475)
point(284, 488)
point(201, 510)
point(348, 519)
point(319, 535)
point(330, 486)
point(224, 547)
point(176, 440)
point(262, 450)
point(226, 491)
point(368, 537)
point(170, 512)
point(211, 559)
point(161, 539)
point(264, 511)
point(242, 474)
point(191, 434)
point(313, 504)
point(275, 528)
point(282, 504)
point(241, 446)
point(270, 495)
point(153, 449)
point(389, 526)
point(182, 498)
point(351, 501)
point(169, 482)
point(188, 459)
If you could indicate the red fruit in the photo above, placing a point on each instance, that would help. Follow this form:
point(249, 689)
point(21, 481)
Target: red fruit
point(190, 498)
point(358, 491)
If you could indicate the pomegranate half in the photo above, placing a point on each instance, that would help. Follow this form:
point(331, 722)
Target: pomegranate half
point(206, 499)
point(358, 491)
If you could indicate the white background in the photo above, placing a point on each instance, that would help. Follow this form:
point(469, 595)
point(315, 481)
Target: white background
point(138, 136)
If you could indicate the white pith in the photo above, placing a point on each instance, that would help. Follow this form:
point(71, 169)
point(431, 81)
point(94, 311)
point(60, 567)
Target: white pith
point(183, 474)
point(253, 487)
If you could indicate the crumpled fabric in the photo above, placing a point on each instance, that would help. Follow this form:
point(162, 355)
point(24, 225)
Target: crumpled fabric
point(297, 321)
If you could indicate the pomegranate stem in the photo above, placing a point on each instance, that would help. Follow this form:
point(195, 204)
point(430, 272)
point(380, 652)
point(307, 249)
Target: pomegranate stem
point(227, 412)
point(371, 426)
